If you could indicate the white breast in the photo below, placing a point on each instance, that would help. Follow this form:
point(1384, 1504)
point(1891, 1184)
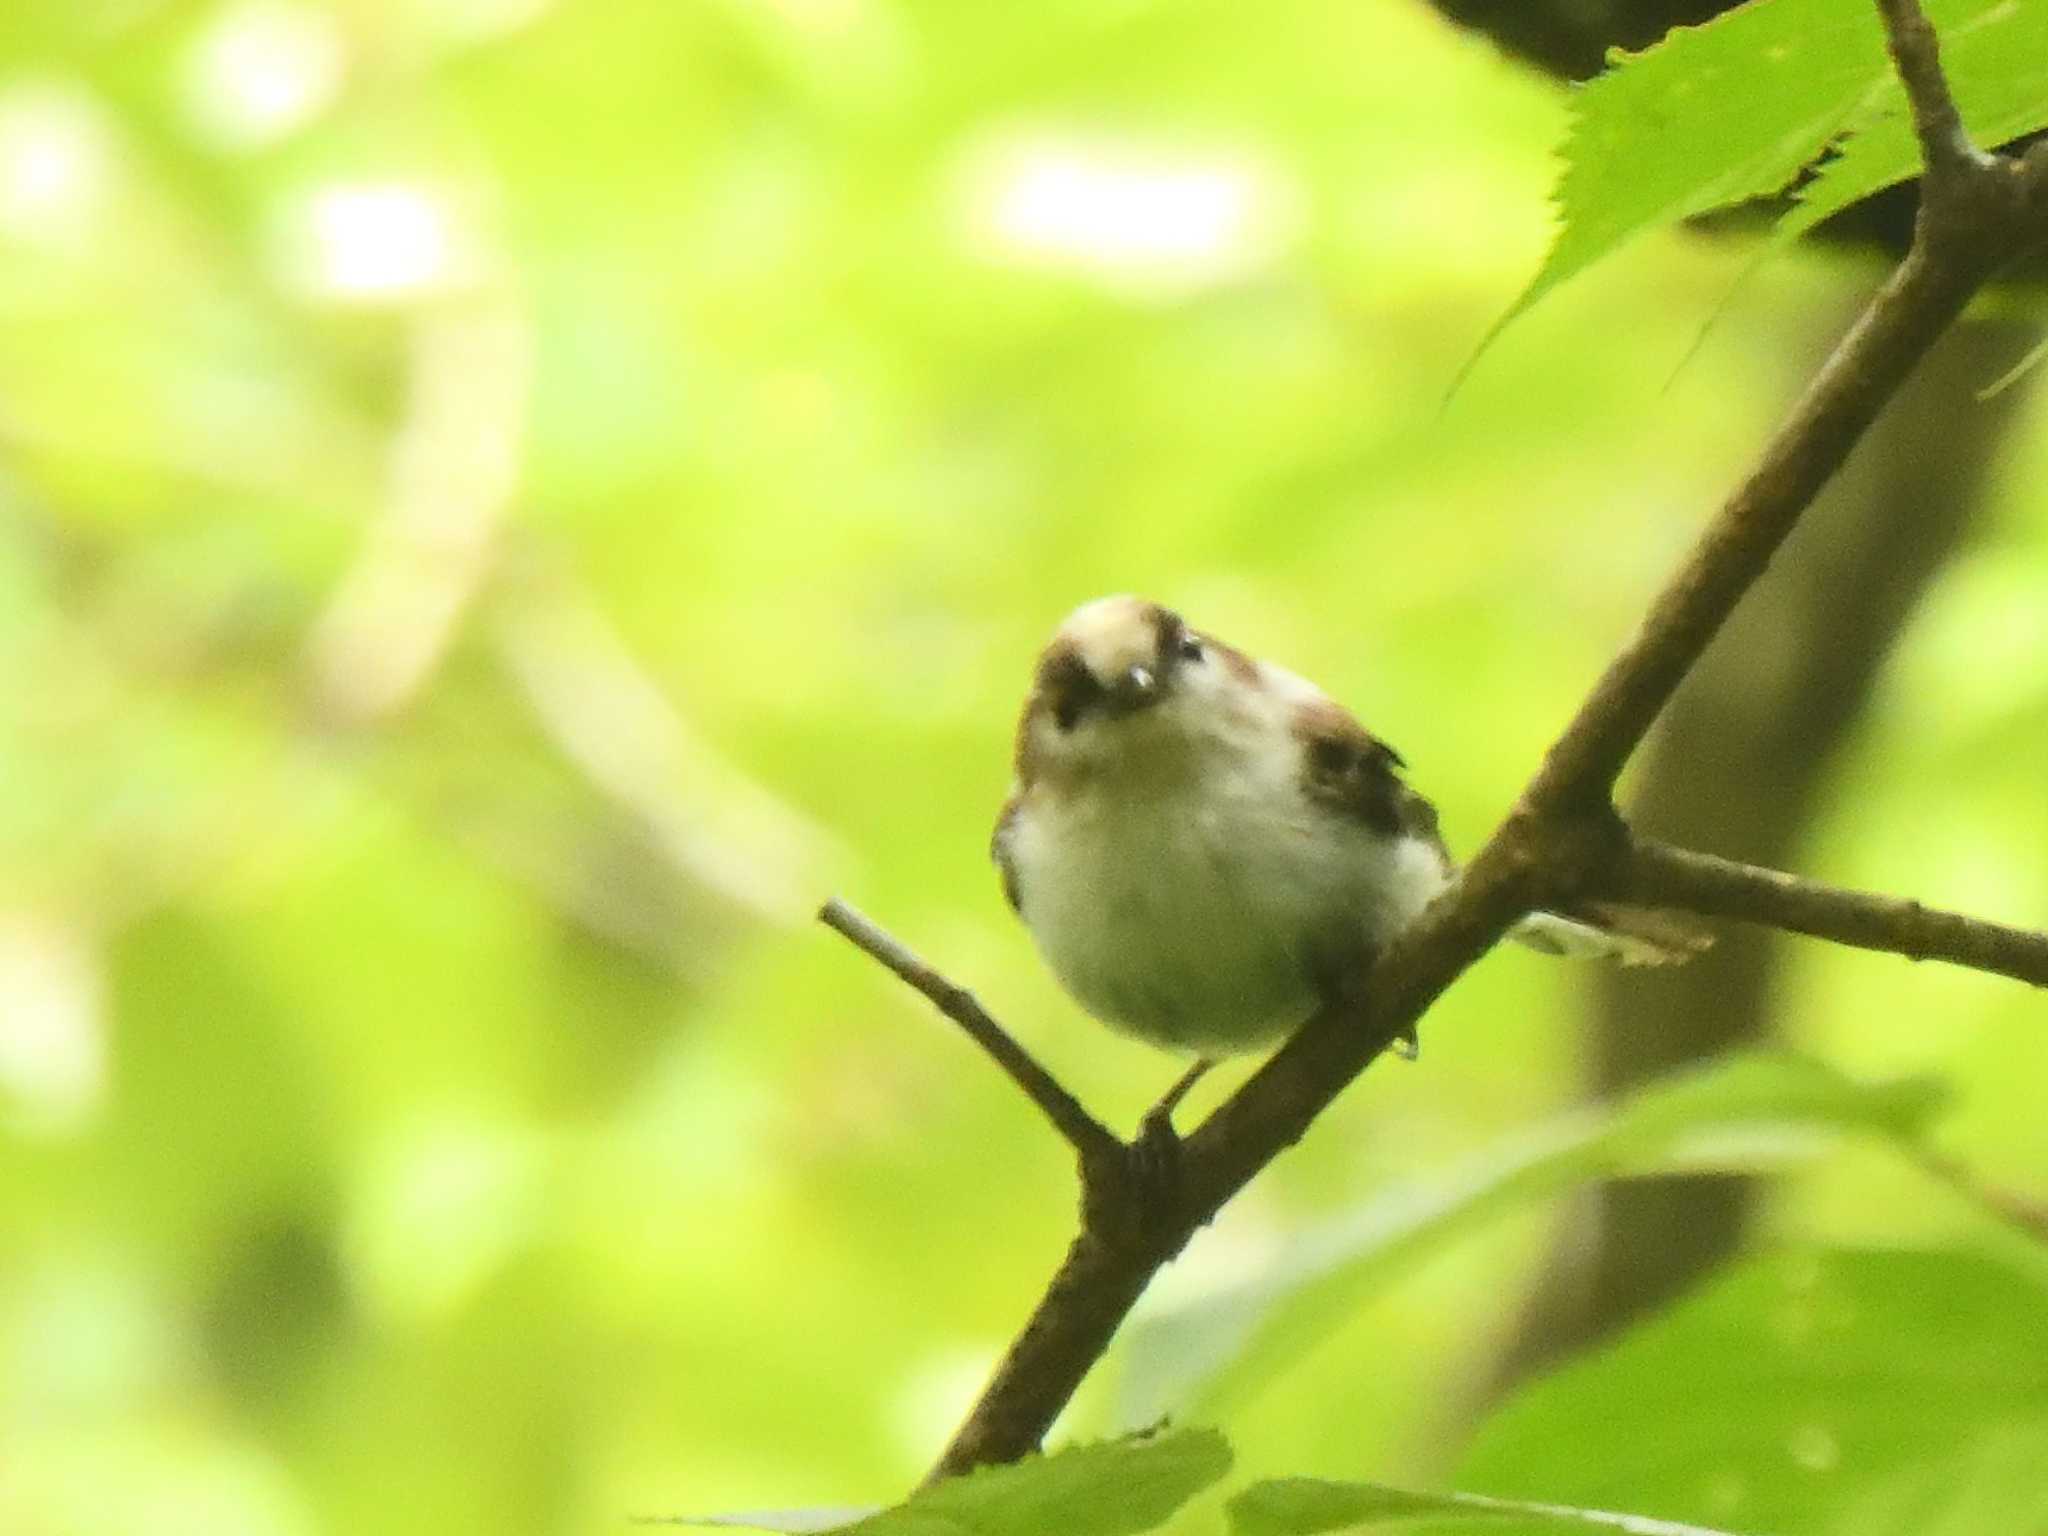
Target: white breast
point(1205, 903)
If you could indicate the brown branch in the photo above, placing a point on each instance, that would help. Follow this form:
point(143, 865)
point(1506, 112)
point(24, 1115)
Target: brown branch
point(1916, 305)
point(1769, 705)
point(1916, 54)
point(1132, 1227)
point(1979, 213)
point(1088, 1136)
point(1657, 874)
point(1562, 838)
point(1085, 1302)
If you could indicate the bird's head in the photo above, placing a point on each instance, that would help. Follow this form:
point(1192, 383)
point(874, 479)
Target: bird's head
point(1121, 678)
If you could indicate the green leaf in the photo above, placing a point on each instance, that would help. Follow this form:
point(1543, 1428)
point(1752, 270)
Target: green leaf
point(1736, 108)
point(1993, 1484)
point(791, 1522)
point(1712, 115)
point(1799, 1392)
point(1116, 1488)
point(1302, 1506)
point(1745, 1113)
point(1996, 57)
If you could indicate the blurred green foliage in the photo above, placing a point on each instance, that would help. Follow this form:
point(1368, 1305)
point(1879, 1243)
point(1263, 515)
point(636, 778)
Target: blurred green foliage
point(505, 504)
point(1741, 1114)
point(1840, 1392)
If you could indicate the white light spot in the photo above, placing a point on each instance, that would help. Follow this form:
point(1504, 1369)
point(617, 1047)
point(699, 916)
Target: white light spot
point(932, 1394)
point(53, 1051)
point(1726, 1493)
point(260, 70)
point(478, 21)
point(371, 243)
point(1814, 1447)
point(443, 1207)
point(56, 160)
point(827, 18)
point(1143, 219)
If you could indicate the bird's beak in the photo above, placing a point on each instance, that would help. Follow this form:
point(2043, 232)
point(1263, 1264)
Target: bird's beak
point(1136, 687)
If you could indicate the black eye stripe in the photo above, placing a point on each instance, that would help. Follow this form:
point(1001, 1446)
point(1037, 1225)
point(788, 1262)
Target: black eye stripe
point(1073, 690)
point(1332, 757)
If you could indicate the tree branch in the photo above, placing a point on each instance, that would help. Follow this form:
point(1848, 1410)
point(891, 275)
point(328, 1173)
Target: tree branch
point(1656, 874)
point(1979, 212)
point(1916, 54)
point(1561, 840)
point(1089, 1137)
point(1769, 704)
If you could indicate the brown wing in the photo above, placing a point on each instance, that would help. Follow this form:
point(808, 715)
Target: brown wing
point(999, 850)
point(1346, 767)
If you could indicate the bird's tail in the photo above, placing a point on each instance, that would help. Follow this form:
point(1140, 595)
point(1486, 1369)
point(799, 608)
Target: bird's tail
point(1603, 930)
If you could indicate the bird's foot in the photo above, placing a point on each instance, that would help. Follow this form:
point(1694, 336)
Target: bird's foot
point(1155, 1161)
point(1169, 1101)
point(1156, 1151)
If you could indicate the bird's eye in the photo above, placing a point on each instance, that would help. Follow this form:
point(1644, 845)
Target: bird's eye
point(1190, 647)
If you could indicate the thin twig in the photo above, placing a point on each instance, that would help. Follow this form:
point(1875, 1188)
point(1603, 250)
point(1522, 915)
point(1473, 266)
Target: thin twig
point(1657, 874)
point(1914, 307)
point(2024, 1212)
point(1089, 1137)
point(1991, 207)
point(1916, 54)
point(1111, 1262)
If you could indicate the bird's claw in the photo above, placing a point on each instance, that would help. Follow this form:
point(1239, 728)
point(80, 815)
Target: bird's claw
point(1155, 1160)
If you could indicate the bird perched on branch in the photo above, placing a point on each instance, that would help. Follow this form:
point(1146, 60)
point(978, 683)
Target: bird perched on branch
point(1207, 848)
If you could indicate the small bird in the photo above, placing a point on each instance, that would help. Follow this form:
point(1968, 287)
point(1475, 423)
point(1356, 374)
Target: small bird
point(1207, 848)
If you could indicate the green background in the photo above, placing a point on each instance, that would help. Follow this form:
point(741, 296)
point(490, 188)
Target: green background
point(504, 506)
